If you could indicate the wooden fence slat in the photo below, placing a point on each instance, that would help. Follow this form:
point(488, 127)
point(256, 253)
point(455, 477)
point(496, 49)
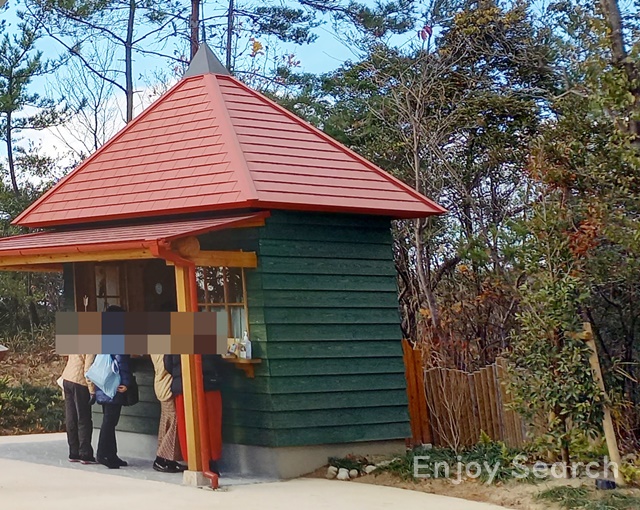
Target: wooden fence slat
point(409, 367)
point(425, 419)
point(480, 396)
point(506, 414)
point(474, 401)
point(449, 406)
point(487, 402)
point(463, 424)
point(494, 402)
point(433, 412)
point(471, 426)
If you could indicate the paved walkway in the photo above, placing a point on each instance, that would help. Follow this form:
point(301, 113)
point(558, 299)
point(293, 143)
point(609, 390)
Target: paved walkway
point(43, 486)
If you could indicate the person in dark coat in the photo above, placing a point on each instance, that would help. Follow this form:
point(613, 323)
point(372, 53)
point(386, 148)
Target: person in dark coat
point(107, 453)
point(213, 400)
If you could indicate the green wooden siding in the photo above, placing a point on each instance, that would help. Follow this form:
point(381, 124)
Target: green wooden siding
point(324, 318)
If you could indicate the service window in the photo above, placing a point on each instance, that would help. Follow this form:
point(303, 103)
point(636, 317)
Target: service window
point(223, 289)
point(108, 286)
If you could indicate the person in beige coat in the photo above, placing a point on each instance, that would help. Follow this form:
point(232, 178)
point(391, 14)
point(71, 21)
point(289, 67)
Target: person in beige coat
point(168, 453)
point(79, 396)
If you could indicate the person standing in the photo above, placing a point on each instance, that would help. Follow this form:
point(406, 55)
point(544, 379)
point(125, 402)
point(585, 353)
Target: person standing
point(79, 396)
point(168, 453)
point(213, 402)
point(111, 408)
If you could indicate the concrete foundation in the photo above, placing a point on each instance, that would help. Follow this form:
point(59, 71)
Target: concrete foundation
point(291, 462)
point(263, 462)
point(140, 446)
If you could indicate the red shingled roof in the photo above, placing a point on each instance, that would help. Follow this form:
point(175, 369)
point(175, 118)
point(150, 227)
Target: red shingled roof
point(115, 237)
point(210, 144)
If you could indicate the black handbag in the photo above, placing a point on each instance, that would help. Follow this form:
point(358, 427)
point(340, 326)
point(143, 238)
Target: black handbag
point(132, 395)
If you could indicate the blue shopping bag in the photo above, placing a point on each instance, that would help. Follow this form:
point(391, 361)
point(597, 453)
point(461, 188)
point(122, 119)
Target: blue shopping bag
point(105, 374)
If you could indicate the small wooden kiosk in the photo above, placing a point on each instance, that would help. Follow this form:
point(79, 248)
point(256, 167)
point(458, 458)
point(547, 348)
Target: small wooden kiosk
point(216, 198)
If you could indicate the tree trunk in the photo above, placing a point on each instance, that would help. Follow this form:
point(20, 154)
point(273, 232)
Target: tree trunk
point(230, 14)
point(194, 22)
point(12, 166)
point(611, 11)
point(128, 58)
point(425, 288)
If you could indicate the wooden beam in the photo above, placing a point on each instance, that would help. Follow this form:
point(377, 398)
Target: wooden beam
point(36, 268)
point(255, 222)
point(59, 258)
point(607, 421)
point(187, 246)
point(187, 362)
point(225, 259)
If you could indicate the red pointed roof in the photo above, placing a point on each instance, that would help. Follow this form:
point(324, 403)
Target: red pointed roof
point(211, 143)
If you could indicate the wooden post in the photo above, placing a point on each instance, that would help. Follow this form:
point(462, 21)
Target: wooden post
point(607, 425)
point(189, 377)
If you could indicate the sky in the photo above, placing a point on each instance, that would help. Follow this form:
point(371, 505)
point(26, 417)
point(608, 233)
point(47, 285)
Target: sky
point(325, 54)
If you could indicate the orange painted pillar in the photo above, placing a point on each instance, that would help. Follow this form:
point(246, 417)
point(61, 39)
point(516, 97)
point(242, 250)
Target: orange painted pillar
point(192, 421)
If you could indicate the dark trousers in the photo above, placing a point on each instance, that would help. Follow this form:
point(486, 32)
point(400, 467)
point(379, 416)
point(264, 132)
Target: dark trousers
point(78, 419)
point(107, 448)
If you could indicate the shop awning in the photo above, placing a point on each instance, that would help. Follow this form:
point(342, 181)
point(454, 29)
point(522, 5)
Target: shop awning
point(121, 242)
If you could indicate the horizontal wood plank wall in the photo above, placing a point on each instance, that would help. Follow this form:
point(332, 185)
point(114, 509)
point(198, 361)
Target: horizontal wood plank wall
point(245, 401)
point(324, 315)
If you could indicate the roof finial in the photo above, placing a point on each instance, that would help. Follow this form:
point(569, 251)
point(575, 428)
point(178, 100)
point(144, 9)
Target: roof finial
point(205, 62)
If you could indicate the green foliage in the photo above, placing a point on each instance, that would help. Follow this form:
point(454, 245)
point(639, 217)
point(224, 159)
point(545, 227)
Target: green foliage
point(349, 462)
point(588, 499)
point(630, 471)
point(452, 118)
point(30, 409)
point(486, 452)
point(552, 384)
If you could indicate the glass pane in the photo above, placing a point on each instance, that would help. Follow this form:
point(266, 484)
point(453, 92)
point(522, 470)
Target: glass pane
point(237, 321)
point(101, 281)
point(113, 280)
point(210, 284)
point(200, 276)
point(107, 285)
point(106, 302)
point(234, 282)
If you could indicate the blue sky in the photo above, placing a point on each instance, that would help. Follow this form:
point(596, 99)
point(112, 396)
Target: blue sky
point(325, 54)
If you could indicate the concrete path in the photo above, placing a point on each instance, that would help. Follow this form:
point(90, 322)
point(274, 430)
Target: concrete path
point(37, 486)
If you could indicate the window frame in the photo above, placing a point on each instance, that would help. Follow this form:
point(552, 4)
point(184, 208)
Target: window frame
point(227, 305)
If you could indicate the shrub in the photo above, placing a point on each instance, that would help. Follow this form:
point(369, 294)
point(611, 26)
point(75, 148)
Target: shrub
point(30, 409)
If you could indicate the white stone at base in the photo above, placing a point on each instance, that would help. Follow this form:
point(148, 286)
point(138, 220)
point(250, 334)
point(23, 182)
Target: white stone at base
point(195, 479)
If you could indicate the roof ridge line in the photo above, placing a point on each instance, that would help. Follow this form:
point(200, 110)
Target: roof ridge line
point(230, 136)
point(34, 206)
point(335, 143)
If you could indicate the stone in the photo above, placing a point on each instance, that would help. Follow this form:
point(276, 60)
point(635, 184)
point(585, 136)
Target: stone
point(385, 463)
point(332, 472)
point(343, 474)
point(353, 473)
point(370, 469)
point(195, 479)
